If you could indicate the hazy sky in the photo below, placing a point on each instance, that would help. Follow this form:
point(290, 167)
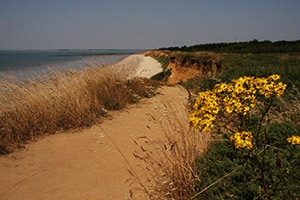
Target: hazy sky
point(54, 24)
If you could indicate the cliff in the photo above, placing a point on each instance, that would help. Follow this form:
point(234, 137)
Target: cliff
point(184, 66)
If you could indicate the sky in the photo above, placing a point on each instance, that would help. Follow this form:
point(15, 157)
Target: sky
point(143, 24)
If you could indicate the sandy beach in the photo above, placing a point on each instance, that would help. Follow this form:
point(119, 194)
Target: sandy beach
point(139, 66)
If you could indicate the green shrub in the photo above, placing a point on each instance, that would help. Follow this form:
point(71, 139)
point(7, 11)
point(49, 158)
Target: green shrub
point(281, 165)
point(252, 157)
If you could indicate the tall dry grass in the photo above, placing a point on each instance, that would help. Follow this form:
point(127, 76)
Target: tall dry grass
point(65, 100)
point(168, 160)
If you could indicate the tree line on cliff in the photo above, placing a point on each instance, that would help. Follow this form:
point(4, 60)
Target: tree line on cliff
point(253, 46)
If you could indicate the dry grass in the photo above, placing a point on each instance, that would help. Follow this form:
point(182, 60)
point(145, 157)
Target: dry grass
point(168, 161)
point(31, 108)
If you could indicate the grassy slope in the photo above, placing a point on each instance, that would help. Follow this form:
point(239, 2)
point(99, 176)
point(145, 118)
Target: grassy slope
point(32, 108)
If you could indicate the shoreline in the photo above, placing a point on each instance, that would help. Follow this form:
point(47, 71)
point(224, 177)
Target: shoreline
point(134, 65)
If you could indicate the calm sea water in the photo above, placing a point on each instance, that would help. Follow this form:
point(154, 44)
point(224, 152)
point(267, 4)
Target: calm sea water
point(25, 64)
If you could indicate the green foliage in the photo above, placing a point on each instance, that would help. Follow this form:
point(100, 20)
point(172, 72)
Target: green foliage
point(256, 158)
point(261, 65)
point(162, 76)
point(281, 168)
point(271, 169)
point(258, 65)
point(253, 46)
point(164, 61)
point(200, 83)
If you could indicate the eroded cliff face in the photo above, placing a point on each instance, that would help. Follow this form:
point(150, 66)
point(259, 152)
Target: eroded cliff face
point(184, 68)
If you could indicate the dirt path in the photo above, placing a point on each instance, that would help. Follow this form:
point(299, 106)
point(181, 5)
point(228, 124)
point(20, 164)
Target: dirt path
point(85, 164)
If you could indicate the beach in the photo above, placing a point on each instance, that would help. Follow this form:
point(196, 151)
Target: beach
point(32, 63)
point(138, 65)
point(135, 65)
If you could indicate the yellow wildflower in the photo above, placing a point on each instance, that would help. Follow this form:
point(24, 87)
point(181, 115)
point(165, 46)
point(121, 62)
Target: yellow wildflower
point(280, 89)
point(239, 89)
point(246, 110)
point(219, 88)
point(229, 109)
point(294, 140)
point(274, 77)
point(239, 96)
point(267, 95)
point(206, 109)
point(242, 140)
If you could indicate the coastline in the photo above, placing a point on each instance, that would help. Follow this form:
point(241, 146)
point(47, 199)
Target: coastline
point(133, 65)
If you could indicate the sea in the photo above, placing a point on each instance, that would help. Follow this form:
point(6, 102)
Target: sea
point(25, 64)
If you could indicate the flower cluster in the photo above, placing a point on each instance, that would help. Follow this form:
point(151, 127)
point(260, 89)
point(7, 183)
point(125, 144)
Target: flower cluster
point(239, 97)
point(236, 97)
point(268, 86)
point(242, 140)
point(206, 110)
point(294, 140)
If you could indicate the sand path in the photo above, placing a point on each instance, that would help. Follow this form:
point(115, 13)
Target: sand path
point(85, 164)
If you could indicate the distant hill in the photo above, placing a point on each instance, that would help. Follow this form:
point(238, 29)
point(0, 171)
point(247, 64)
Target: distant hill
point(253, 46)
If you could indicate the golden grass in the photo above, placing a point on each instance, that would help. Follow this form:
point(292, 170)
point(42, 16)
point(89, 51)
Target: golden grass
point(31, 108)
point(169, 160)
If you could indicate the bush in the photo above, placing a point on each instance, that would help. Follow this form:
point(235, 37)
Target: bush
point(253, 159)
point(281, 168)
